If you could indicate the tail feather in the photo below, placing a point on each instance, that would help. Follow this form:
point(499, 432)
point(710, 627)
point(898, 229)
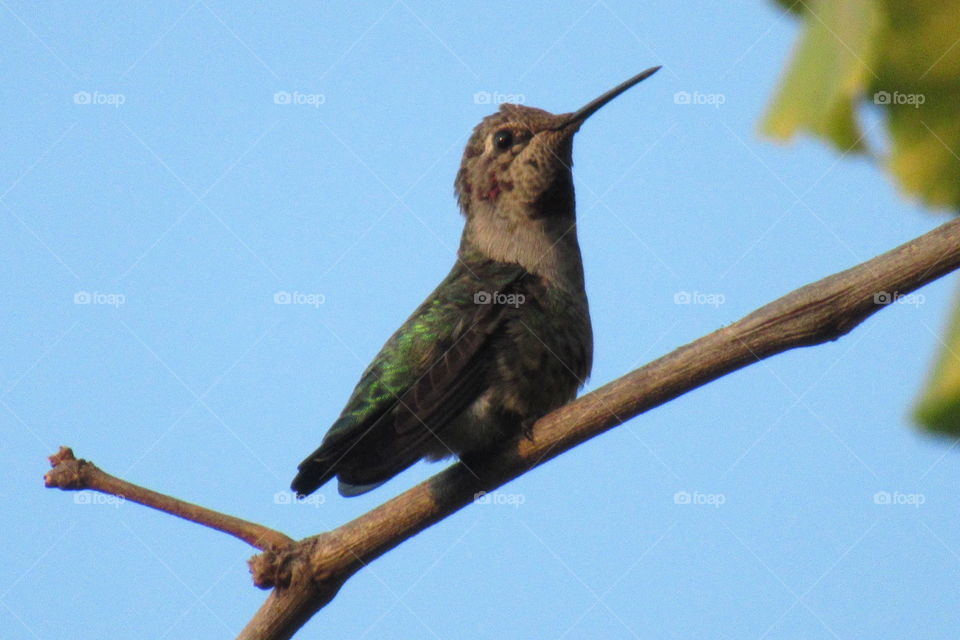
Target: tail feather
point(348, 490)
point(359, 468)
point(313, 473)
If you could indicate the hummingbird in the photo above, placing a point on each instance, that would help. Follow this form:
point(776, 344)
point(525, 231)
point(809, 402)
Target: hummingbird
point(504, 339)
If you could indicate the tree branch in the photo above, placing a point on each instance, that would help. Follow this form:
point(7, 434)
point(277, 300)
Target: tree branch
point(307, 574)
point(71, 474)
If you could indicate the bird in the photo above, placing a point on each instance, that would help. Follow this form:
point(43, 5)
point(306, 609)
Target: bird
point(504, 339)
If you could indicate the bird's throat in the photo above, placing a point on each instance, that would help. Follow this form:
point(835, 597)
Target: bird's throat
point(545, 246)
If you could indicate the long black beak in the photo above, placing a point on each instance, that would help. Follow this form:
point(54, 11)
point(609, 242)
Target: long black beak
point(584, 112)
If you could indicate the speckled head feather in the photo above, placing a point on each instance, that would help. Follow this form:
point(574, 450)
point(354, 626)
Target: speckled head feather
point(513, 156)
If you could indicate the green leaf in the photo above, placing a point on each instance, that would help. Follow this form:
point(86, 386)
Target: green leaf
point(902, 57)
point(919, 75)
point(938, 409)
point(831, 68)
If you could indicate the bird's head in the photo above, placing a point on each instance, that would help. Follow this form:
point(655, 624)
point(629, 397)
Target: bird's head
point(518, 161)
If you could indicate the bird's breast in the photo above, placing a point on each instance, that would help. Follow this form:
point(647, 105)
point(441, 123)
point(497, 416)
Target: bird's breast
point(548, 353)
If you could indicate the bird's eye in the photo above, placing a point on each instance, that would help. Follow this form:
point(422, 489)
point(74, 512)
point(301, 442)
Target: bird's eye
point(503, 139)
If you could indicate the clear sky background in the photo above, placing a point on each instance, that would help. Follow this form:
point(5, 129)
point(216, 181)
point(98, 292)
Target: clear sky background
point(148, 170)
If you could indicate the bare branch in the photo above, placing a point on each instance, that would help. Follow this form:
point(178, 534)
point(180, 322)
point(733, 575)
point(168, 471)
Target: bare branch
point(69, 473)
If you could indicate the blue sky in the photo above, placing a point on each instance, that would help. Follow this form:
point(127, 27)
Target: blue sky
point(168, 169)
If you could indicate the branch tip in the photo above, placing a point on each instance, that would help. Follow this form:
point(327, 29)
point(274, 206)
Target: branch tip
point(68, 473)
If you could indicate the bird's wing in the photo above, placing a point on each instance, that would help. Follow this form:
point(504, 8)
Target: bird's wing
point(427, 373)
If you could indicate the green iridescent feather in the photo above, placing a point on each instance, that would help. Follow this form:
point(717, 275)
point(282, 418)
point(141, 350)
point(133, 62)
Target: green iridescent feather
point(427, 372)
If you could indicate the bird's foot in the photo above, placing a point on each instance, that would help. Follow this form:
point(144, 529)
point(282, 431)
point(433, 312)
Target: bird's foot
point(526, 427)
